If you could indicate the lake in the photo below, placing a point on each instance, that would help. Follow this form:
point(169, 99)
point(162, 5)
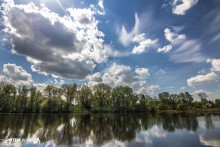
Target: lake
point(110, 130)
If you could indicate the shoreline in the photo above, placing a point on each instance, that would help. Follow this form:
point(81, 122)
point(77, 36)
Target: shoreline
point(197, 111)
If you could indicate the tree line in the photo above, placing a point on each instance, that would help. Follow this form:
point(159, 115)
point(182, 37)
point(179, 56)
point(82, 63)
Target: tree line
point(99, 98)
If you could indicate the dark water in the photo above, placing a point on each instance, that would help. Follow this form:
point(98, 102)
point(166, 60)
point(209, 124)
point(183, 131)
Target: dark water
point(110, 130)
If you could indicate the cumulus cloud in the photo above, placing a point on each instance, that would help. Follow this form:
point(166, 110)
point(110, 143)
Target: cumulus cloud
point(181, 6)
point(142, 72)
point(16, 75)
point(165, 49)
point(215, 64)
point(148, 89)
point(143, 46)
point(13, 74)
point(143, 43)
point(173, 37)
point(202, 79)
point(117, 74)
point(67, 46)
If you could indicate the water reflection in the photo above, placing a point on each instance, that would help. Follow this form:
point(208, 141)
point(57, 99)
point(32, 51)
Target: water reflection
point(97, 129)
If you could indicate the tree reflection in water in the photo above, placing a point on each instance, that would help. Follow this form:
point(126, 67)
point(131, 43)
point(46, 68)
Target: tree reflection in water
point(69, 129)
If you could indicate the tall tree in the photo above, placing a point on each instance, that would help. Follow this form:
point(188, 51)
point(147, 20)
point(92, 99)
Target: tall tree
point(203, 98)
point(33, 94)
point(122, 98)
point(23, 93)
point(69, 91)
point(84, 97)
point(102, 94)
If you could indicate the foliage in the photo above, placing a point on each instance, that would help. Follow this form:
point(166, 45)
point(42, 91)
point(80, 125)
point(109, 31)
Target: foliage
point(99, 98)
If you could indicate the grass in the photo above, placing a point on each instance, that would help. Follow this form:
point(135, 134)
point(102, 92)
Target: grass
point(198, 111)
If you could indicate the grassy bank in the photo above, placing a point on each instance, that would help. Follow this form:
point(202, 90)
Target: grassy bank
point(198, 111)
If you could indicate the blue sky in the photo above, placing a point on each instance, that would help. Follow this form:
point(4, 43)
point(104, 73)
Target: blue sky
point(149, 45)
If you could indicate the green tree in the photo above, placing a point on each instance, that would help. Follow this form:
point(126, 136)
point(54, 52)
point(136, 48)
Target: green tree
point(7, 97)
point(23, 93)
point(121, 98)
point(69, 91)
point(84, 97)
point(32, 102)
point(164, 101)
point(203, 98)
point(102, 93)
point(217, 103)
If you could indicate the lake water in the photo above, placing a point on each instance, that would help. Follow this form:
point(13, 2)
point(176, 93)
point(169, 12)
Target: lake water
point(110, 130)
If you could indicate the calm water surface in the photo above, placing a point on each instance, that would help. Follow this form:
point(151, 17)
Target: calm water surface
point(110, 130)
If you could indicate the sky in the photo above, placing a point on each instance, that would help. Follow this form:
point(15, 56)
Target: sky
point(152, 46)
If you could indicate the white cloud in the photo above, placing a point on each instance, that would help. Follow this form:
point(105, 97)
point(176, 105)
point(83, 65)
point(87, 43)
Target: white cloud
point(161, 72)
point(13, 74)
point(181, 6)
point(117, 74)
point(66, 46)
point(111, 52)
point(101, 5)
point(202, 79)
point(215, 64)
point(171, 36)
point(143, 46)
point(165, 49)
point(149, 89)
point(183, 88)
point(200, 91)
point(174, 38)
point(139, 37)
point(188, 51)
point(142, 72)
point(16, 75)
point(40, 86)
point(126, 37)
point(95, 78)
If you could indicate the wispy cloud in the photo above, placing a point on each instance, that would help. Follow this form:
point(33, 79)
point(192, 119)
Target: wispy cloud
point(189, 51)
point(126, 37)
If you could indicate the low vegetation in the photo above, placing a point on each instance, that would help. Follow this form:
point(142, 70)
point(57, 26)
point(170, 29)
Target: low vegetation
point(99, 98)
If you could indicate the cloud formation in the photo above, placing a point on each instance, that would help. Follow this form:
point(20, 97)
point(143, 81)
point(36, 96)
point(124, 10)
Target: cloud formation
point(181, 6)
point(196, 92)
point(171, 36)
point(165, 49)
point(13, 74)
point(148, 89)
point(126, 37)
point(174, 38)
point(68, 46)
point(188, 51)
point(215, 64)
point(143, 43)
point(122, 75)
point(202, 79)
